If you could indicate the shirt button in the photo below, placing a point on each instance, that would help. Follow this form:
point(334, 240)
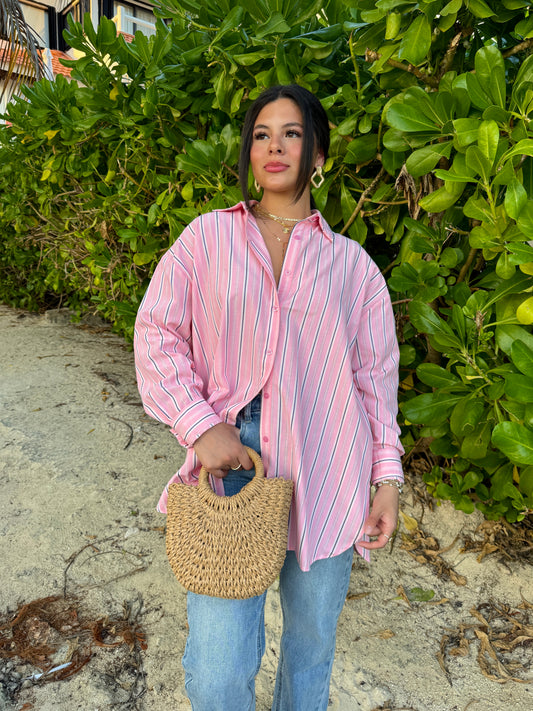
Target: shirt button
point(275, 308)
point(297, 238)
point(288, 272)
point(266, 396)
point(269, 352)
point(265, 439)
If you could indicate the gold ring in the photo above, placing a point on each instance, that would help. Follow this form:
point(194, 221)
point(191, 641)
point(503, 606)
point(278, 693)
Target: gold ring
point(236, 469)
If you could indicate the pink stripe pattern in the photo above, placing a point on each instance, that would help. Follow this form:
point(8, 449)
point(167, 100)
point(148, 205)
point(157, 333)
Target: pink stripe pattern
point(214, 330)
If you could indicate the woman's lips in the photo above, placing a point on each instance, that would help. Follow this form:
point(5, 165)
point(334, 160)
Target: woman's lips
point(275, 167)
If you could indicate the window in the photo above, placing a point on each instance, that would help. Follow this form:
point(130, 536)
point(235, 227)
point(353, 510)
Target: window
point(131, 18)
point(37, 18)
point(77, 9)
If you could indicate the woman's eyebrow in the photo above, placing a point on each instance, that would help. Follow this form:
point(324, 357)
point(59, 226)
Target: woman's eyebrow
point(285, 125)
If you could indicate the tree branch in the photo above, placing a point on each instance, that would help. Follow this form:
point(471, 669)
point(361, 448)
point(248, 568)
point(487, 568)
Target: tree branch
point(372, 56)
point(361, 201)
point(450, 54)
point(466, 265)
point(526, 44)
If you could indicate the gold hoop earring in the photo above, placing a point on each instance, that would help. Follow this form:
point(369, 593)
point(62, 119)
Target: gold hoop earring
point(317, 179)
point(257, 186)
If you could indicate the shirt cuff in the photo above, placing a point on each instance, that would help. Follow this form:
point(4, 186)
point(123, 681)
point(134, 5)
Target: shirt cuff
point(196, 420)
point(387, 464)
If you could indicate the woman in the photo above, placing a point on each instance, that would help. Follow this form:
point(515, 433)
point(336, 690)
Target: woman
point(261, 327)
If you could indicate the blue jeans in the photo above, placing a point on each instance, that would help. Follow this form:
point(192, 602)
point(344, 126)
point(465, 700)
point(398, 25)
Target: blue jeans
point(227, 637)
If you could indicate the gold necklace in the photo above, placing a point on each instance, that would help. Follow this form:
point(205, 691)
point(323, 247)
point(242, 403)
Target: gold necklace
point(280, 220)
point(284, 245)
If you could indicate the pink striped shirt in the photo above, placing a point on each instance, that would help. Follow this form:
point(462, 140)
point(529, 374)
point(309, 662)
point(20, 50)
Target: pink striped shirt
point(214, 330)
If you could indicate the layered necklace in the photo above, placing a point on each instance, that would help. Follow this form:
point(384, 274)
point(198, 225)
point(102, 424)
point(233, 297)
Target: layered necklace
point(280, 220)
point(286, 224)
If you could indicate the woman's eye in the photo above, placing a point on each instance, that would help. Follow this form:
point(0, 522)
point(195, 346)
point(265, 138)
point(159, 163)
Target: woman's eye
point(293, 133)
point(260, 136)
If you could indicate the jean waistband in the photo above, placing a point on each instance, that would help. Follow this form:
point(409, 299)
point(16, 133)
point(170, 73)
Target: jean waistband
point(250, 410)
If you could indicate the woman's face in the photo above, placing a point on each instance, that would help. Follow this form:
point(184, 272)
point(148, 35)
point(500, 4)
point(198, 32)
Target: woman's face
point(277, 146)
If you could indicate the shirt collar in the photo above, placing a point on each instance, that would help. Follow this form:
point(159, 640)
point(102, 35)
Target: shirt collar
point(316, 218)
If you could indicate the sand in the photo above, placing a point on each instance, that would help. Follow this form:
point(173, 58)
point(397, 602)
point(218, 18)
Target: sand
point(81, 470)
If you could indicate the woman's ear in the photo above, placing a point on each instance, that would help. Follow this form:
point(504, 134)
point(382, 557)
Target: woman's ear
point(319, 160)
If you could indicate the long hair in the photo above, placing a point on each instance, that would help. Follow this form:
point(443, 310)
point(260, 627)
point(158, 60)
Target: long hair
point(315, 133)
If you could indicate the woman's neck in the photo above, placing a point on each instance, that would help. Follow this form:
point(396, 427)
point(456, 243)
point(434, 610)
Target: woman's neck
point(284, 206)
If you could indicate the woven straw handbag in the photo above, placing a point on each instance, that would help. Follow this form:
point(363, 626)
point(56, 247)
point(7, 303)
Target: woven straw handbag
point(228, 546)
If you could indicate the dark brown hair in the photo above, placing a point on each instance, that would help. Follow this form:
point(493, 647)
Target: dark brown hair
point(315, 132)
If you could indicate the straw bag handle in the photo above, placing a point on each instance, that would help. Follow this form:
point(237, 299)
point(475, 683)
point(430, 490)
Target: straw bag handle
point(209, 496)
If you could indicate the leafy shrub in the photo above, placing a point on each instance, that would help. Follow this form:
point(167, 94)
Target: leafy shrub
point(431, 167)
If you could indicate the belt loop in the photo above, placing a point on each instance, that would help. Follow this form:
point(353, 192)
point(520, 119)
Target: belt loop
point(247, 412)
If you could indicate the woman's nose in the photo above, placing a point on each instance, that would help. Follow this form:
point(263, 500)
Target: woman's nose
point(275, 146)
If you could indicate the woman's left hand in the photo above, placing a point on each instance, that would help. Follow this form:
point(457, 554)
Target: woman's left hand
point(383, 517)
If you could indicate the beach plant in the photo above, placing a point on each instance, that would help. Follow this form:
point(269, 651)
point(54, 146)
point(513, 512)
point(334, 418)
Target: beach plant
point(431, 168)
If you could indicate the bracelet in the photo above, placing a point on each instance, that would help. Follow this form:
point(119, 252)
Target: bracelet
point(390, 482)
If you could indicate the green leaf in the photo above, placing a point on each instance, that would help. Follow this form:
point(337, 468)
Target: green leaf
point(452, 7)
point(142, 258)
point(423, 160)
point(348, 203)
point(450, 177)
point(475, 445)
point(429, 408)
point(522, 357)
point(416, 42)
point(362, 149)
point(526, 481)
point(407, 355)
point(525, 73)
point(106, 33)
point(520, 282)
point(283, 71)
point(231, 22)
point(515, 441)
point(466, 131)
point(515, 198)
point(490, 71)
point(507, 335)
point(519, 387)
point(522, 148)
point(275, 25)
point(524, 219)
point(437, 377)
point(407, 118)
point(425, 320)
point(466, 416)
point(478, 208)
point(479, 162)
point(520, 253)
point(420, 595)
point(479, 8)
point(479, 97)
point(249, 58)
point(488, 140)
point(495, 113)
point(439, 200)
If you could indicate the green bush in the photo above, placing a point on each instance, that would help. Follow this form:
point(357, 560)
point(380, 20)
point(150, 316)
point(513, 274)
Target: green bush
point(431, 167)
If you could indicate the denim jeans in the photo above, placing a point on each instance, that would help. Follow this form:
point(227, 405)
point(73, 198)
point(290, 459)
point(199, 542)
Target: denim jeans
point(227, 637)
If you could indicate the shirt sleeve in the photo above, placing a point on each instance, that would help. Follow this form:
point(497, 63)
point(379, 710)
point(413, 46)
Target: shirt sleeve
point(376, 377)
point(171, 390)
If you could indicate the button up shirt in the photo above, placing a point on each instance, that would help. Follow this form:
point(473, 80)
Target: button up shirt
point(214, 330)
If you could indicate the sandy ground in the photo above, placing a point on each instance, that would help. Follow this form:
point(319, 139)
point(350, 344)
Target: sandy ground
point(81, 469)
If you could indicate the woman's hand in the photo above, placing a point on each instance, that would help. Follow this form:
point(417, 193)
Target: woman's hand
point(219, 449)
point(383, 517)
